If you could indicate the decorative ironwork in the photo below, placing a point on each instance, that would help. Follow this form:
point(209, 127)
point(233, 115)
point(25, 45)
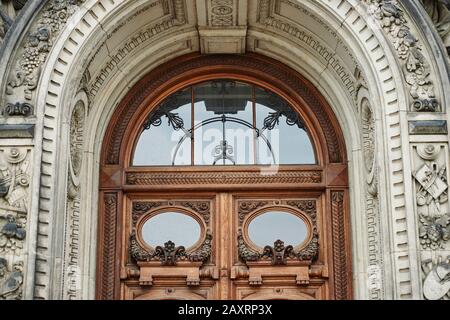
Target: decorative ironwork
point(173, 119)
point(273, 120)
point(223, 98)
point(223, 152)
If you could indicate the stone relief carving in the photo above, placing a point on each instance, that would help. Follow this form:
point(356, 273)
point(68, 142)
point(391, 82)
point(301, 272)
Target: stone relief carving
point(37, 46)
point(431, 192)
point(439, 12)
point(73, 214)
point(375, 256)
point(416, 68)
point(14, 183)
point(436, 285)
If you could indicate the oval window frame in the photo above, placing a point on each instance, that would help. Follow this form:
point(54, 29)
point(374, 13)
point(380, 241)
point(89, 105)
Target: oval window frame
point(149, 215)
point(299, 214)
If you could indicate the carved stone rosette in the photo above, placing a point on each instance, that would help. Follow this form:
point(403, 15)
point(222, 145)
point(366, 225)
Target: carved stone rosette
point(14, 190)
point(431, 191)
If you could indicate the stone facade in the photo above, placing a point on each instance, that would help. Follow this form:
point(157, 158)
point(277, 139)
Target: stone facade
point(381, 64)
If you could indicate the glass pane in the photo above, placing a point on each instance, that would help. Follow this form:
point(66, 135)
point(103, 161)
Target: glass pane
point(284, 139)
point(166, 140)
point(271, 226)
point(179, 228)
point(223, 123)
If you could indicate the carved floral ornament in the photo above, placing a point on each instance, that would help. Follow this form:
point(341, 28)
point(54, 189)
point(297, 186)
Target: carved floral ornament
point(279, 253)
point(37, 46)
point(14, 183)
point(416, 68)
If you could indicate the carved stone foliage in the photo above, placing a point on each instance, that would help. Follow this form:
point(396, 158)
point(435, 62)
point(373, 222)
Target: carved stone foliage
point(436, 285)
point(170, 253)
point(416, 68)
point(431, 181)
point(439, 12)
point(37, 46)
point(278, 253)
point(14, 189)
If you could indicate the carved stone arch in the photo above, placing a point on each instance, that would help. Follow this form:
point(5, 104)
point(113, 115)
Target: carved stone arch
point(372, 49)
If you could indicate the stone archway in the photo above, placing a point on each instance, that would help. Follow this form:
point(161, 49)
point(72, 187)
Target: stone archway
point(359, 67)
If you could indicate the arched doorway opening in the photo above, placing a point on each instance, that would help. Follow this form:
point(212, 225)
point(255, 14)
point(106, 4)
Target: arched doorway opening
point(242, 162)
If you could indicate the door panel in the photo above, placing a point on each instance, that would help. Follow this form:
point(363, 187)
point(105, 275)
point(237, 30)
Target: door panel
point(225, 263)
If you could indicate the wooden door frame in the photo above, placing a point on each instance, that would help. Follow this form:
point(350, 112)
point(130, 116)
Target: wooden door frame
point(117, 177)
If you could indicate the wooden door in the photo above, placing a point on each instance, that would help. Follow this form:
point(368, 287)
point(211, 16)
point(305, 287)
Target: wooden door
point(222, 202)
point(230, 265)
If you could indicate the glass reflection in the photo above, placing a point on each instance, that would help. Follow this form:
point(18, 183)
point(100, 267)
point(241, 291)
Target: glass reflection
point(164, 129)
point(224, 122)
point(222, 109)
point(284, 130)
point(179, 228)
point(271, 226)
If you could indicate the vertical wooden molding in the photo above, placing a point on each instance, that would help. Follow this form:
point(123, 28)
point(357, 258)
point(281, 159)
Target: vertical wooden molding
point(108, 247)
point(339, 246)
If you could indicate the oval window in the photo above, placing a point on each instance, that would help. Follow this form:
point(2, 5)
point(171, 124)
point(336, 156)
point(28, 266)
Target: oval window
point(177, 227)
point(271, 226)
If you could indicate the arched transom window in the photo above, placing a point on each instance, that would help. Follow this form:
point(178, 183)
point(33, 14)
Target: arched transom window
point(223, 122)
